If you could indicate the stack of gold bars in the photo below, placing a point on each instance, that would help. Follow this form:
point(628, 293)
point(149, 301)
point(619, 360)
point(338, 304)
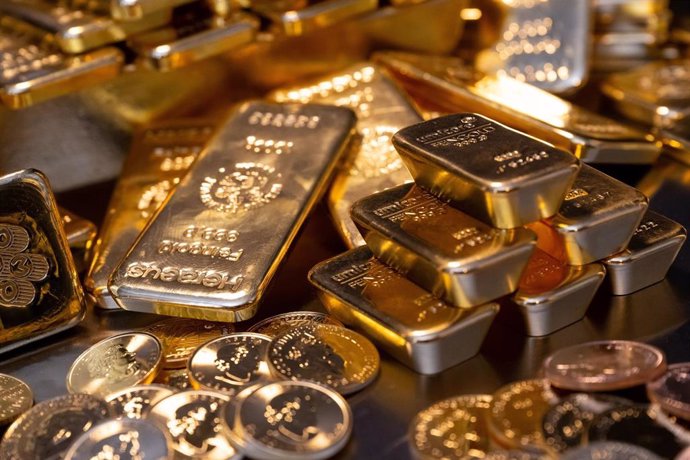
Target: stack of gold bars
point(458, 149)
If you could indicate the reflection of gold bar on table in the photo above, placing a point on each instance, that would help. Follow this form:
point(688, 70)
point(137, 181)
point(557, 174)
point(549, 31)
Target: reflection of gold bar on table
point(214, 245)
point(590, 136)
point(80, 234)
point(418, 329)
point(650, 253)
point(553, 295)
point(492, 172)
point(170, 48)
point(382, 109)
point(445, 251)
point(323, 14)
point(40, 293)
point(132, 10)
point(160, 155)
point(597, 219)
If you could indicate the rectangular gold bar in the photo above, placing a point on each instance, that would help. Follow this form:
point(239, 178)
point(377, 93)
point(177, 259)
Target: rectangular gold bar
point(455, 257)
point(202, 38)
point(597, 219)
point(553, 295)
point(159, 157)
point(416, 328)
point(77, 31)
point(589, 136)
point(650, 253)
point(134, 10)
point(676, 134)
point(382, 109)
point(40, 293)
point(322, 14)
point(214, 245)
point(81, 235)
point(491, 172)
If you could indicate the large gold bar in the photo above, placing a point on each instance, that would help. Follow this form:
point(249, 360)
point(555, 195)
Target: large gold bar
point(382, 109)
point(81, 236)
point(133, 10)
point(214, 245)
point(649, 255)
point(553, 295)
point(455, 257)
point(492, 172)
point(418, 329)
point(159, 157)
point(40, 293)
point(596, 220)
point(450, 83)
point(322, 14)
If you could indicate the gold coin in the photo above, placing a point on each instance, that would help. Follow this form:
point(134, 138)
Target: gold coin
point(228, 364)
point(330, 355)
point(276, 325)
point(113, 364)
point(452, 428)
point(181, 336)
point(136, 402)
point(175, 378)
point(15, 398)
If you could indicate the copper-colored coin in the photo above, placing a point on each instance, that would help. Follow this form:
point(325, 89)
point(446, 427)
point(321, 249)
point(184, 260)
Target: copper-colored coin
point(15, 398)
point(672, 390)
point(136, 402)
point(181, 336)
point(276, 325)
point(604, 366)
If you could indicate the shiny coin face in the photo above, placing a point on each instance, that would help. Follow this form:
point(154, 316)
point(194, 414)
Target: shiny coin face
point(293, 420)
point(672, 390)
point(174, 378)
point(325, 354)
point(516, 413)
point(609, 451)
point(513, 455)
point(229, 363)
point(115, 363)
point(229, 417)
point(136, 402)
point(15, 398)
point(566, 422)
point(48, 429)
point(452, 428)
point(276, 325)
point(181, 336)
point(604, 366)
point(193, 420)
point(125, 439)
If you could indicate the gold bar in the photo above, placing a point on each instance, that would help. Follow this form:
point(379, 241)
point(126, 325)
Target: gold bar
point(382, 109)
point(322, 14)
point(415, 327)
point(490, 171)
point(455, 257)
point(544, 43)
point(133, 10)
point(553, 295)
point(77, 31)
point(596, 220)
point(81, 235)
point(588, 135)
point(676, 134)
point(159, 157)
point(40, 293)
point(650, 253)
point(214, 245)
point(172, 47)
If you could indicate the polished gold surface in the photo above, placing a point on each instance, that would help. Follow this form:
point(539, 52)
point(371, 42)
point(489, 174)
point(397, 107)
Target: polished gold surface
point(81, 236)
point(116, 363)
point(415, 327)
point(382, 109)
point(136, 402)
point(445, 251)
point(160, 155)
point(276, 325)
point(174, 378)
point(40, 292)
point(552, 294)
point(214, 245)
point(596, 220)
point(493, 173)
point(452, 84)
point(322, 14)
point(16, 398)
point(131, 10)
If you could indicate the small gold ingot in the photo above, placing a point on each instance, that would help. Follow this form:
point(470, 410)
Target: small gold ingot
point(553, 295)
point(40, 293)
point(417, 328)
point(81, 235)
point(492, 172)
point(133, 10)
point(382, 109)
point(214, 245)
point(452, 85)
point(322, 14)
point(596, 220)
point(447, 252)
point(160, 155)
point(650, 253)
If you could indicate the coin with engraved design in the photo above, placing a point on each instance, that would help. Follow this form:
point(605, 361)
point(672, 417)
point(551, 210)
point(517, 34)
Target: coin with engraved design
point(175, 378)
point(115, 363)
point(15, 398)
point(672, 390)
point(330, 355)
point(276, 325)
point(135, 402)
point(609, 451)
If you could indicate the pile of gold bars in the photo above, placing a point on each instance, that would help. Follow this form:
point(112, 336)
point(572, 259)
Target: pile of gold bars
point(446, 138)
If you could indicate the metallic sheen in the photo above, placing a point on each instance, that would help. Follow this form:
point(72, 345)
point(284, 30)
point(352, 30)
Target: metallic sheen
point(136, 402)
point(16, 398)
point(322, 14)
point(81, 236)
point(275, 325)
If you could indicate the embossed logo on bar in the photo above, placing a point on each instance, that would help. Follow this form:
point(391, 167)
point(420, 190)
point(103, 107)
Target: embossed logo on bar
point(248, 186)
point(460, 135)
point(19, 270)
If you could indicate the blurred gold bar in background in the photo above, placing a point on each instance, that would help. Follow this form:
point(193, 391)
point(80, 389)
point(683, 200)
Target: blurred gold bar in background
point(322, 14)
point(133, 10)
point(81, 235)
